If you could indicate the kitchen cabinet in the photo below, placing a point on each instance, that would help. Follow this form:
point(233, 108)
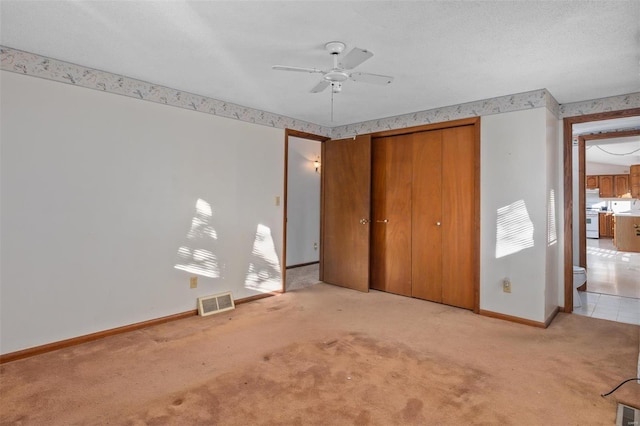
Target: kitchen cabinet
point(606, 186)
point(621, 185)
point(627, 233)
point(605, 225)
point(615, 186)
point(634, 181)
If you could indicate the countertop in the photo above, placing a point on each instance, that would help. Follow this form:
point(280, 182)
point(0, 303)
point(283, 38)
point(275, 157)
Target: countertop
point(634, 213)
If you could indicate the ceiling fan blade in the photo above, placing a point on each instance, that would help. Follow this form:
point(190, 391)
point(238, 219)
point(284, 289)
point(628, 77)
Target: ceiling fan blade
point(355, 58)
point(320, 86)
point(371, 78)
point(298, 69)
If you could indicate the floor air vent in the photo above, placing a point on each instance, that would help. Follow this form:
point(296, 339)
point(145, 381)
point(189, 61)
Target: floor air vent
point(627, 416)
point(208, 305)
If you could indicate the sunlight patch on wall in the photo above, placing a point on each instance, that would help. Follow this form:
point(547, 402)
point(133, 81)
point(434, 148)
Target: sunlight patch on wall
point(264, 274)
point(198, 257)
point(514, 229)
point(552, 233)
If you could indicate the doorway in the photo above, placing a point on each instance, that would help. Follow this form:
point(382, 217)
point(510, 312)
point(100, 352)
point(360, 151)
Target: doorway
point(605, 162)
point(579, 215)
point(303, 168)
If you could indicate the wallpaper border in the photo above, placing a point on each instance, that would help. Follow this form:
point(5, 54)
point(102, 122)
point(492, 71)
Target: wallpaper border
point(14, 60)
point(516, 102)
point(594, 106)
point(21, 62)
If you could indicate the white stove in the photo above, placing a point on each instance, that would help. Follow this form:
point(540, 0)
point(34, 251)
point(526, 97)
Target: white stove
point(593, 230)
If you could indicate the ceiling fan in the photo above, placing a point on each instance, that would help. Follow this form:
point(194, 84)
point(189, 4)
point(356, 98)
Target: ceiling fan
point(341, 70)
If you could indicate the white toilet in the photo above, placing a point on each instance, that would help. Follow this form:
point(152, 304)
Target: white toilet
point(579, 278)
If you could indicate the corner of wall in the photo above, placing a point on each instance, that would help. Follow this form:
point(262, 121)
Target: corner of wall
point(552, 104)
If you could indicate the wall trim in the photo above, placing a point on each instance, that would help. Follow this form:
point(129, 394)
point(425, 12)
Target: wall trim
point(516, 102)
point(595, 106)
point(30, 64)
point(515, 319)
point(54, 346)
point(299, 265)
point(21, 62)
point(551, 317)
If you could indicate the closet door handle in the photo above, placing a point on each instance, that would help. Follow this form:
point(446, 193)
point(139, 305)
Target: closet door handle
point(364, 221)
point(383, 221)
point(438, 224)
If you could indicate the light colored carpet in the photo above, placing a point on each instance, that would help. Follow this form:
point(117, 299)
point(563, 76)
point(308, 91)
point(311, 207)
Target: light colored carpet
point(325, 355)
point(303, 276)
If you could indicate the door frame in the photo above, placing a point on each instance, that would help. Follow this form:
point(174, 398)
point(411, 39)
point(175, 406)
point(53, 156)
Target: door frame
point(473, 121)
point(568, 123)
point(302, 135)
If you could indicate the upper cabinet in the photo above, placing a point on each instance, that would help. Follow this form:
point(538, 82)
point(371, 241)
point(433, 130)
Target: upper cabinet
point(616, 186)
point(606, 186)
point(621, 185)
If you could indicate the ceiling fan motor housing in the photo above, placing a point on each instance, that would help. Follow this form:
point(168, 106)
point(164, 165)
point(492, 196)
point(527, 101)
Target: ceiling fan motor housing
point(335, 47)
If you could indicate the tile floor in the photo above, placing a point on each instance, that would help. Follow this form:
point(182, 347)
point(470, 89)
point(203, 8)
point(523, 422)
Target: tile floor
point(613, 308)
point(610, 271)
point(613, 283)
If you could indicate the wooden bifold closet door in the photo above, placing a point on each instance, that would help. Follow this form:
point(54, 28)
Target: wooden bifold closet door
point(423, 198)
point(391, 215)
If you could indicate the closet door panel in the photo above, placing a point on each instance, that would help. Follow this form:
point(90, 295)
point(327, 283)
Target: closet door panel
point(426, 246)
point(458, 192)
point(391, 214)
point(378, 267)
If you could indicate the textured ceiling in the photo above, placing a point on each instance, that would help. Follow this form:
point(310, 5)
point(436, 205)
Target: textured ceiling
point(620, 151)
point(440, 53)
point(623, 151)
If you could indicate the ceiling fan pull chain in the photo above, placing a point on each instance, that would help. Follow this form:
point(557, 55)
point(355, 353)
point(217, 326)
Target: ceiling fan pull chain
point(332, 102)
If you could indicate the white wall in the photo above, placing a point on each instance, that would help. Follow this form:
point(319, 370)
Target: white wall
point(303, 202)
point(554, 262)
point(514, 190)
point(104, 196)
point(605, 169)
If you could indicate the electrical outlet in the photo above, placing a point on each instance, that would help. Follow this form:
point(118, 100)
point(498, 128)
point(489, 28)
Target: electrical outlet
point(277, 200)
point(193, 282)
point(506, 285)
